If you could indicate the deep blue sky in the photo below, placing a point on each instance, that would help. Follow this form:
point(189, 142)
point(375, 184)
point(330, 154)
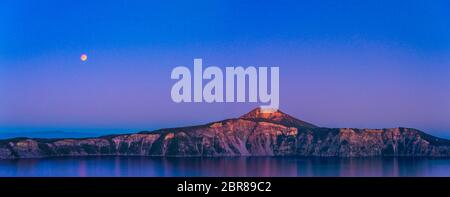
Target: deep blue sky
point(342, 63)
point(32, 28)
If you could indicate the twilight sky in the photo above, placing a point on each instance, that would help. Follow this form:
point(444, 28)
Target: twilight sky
point(367, 64)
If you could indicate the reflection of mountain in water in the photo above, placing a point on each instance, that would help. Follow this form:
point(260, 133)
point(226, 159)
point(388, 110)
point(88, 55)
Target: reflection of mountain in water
point(116, 166)
point(254, 134)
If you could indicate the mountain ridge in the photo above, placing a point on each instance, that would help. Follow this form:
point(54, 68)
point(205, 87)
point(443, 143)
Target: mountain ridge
point(277, 116)
point(254, 134)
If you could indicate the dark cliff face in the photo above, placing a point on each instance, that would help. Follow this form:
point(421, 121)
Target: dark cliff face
point(254, 134)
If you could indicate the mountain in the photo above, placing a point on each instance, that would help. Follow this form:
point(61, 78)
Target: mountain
point(253, 134)
point(277, 117)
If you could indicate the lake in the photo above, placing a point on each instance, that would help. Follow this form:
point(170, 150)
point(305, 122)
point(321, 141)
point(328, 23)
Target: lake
point(223, 166)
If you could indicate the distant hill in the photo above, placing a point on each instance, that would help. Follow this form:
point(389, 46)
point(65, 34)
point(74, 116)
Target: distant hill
point(49, 134)
point(253, 134)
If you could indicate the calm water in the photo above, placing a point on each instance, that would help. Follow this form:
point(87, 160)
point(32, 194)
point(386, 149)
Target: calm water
point(231, 166)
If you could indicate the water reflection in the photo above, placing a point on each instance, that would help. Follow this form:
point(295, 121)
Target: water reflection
point(227, 166)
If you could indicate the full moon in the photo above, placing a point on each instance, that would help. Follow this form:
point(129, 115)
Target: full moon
point(83, 57)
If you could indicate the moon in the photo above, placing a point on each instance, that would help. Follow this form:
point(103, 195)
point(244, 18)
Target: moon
point(83, 57)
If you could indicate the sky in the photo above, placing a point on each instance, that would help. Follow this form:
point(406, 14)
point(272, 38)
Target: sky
point(359, 64)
